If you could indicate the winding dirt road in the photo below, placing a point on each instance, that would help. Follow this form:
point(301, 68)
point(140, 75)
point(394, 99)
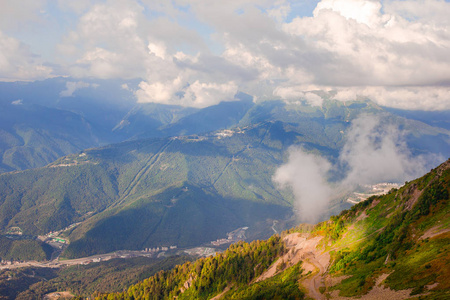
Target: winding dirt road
point(315, 282)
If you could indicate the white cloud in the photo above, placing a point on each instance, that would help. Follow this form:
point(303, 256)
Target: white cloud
point(160, 92)
point(280, 10)
point(428, 11)
point(203, 94)
point(18, 16)
point(17, 102)
point(107, 42)
point(157, 49)
point(363, 11)
point(18, 63)
point(391, 50)
point(306, 175)
point(375, 151)
point(424, 97)
point(71, 87)
point(295, 94)
point(198, 94)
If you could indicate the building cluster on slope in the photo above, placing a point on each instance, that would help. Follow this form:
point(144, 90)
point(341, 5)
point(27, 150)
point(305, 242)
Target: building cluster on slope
point(371, 190)
point(157, 249)
point(234, 236)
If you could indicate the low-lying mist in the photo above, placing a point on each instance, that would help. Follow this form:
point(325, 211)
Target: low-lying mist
point(375, 151)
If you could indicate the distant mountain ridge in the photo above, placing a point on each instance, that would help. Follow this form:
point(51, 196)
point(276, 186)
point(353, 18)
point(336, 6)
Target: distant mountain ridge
point(44, 120)
point(135, 194)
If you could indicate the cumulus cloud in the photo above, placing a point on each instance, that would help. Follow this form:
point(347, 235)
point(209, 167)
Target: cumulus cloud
point(107, 42)
point(306, 175)
point(16, 17)
point(295, 94)
point(17, 102)
point(423, 97)
point(198, 94)
point(17, 62)
point(375, 151)
point(364, 12)
point(362, 46)
point(71, 87)
point(395, 52)
point(387, 51)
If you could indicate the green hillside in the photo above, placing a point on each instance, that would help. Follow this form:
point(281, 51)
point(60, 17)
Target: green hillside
point(109, 276)
point(32, 136)
point(23, 249)
point(391, 246)
point(184, 190)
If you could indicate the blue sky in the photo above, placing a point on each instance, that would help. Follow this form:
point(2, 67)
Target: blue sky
point(199, 52)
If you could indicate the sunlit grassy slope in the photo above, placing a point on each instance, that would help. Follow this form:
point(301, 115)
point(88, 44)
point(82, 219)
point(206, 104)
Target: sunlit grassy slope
point(404, 235)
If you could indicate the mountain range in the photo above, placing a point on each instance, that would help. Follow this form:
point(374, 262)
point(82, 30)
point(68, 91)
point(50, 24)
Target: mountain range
point(392, 246)
point(184, 176)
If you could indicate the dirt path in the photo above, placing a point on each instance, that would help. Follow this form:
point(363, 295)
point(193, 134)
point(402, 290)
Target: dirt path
point(221, 294)
point(435, 231)
point(314, 283)
point(297, 245)
point(302, 248)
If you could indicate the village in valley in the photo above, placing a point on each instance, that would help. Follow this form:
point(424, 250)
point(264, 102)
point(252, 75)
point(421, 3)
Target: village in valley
point(58, 239)
point(59, 242)
point(367, 191)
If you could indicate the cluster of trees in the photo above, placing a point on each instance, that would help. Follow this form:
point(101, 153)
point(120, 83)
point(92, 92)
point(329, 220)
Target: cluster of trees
point(84, 280)
point(237, 266)
point(25, 249)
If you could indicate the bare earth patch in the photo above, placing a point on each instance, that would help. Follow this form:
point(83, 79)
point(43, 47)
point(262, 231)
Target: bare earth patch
point(58, 295)
point(302, 248)
point(299, 247)
point(432, 232)
point(374, 203)
point(221, 294)
point(362, 216)
point(415, 196)
point(432, 286)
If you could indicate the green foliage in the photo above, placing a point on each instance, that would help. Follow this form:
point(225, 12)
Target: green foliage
point(106, 277)
point(396, 246)
point(16, 281)
point(24, 249)
point(112, 185)
point(425, 263)
point(238, 266)
point(432, 194)
point(133, 194)
point(391, 244)
point(282, 286)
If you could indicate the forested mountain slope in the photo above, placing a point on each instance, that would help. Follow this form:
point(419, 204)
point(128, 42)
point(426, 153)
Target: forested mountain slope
point(391, 246)
point(182, 190)
point(44, 120)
